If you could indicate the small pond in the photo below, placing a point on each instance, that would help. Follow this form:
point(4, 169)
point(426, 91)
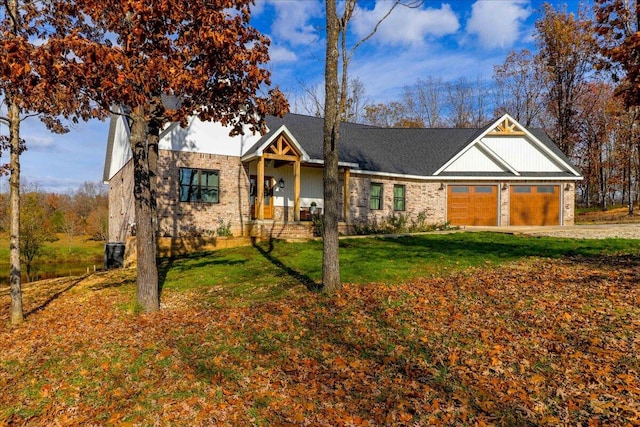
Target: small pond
point(43, 271)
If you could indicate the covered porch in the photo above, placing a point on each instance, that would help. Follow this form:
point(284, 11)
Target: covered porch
point(285, 186)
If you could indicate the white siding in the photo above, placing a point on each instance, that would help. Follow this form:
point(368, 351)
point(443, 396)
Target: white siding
point(207, 138)
point(521, 154)
point(310, 184)
point(474, 160)
point(121, 150)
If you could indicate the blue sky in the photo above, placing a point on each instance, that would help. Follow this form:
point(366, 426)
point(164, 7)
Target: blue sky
point(446, 39)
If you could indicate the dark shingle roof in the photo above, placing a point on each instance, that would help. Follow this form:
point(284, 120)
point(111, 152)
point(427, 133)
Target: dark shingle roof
point(406, 151)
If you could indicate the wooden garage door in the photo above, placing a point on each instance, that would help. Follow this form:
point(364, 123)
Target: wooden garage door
point(534, 205)
point(472, 205)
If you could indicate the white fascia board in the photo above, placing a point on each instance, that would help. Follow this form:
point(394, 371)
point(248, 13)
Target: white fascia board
point(170, 127)
point(468, 147)
point(510, 178)
point(283, 129)
point(463, 178)
point(496, 158)
point(395, 175)
point(344, 164)
point(533, 139)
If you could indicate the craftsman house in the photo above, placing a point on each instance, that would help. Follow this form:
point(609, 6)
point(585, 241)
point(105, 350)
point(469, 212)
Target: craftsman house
point(500, 175)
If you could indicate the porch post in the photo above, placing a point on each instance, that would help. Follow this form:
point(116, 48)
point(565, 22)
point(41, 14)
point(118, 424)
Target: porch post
point(296, 190)
point(260, 188)
point(346, 195)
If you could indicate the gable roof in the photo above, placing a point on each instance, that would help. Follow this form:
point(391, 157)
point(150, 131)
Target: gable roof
point(418, 152)
point(258, 149)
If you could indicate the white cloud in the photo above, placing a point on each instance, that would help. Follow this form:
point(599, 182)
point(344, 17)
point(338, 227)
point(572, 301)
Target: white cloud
point(497, 23)
point(292, 23)
point(38, 142)
point(279, 54)
point(405, 25)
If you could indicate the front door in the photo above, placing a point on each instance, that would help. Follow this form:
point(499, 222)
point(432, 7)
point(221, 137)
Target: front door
point(268, 196)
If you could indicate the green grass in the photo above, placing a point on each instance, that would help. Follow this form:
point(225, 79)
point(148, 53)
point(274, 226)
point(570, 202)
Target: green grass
point(271, 269)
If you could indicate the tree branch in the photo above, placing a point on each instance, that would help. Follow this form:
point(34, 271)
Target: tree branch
point(413, 4)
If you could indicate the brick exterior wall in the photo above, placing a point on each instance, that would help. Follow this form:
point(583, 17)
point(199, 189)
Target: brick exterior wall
point(121, 208)
point(420, 197)
point(183, 218)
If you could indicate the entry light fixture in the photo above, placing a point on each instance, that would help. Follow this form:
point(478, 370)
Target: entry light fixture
point(441, 186)
point(281, 183)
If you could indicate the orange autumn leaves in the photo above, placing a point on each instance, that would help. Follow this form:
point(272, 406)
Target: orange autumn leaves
point(533, 343)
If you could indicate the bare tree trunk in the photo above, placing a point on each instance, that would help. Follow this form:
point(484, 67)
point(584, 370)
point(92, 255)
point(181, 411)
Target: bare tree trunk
point(17, 315)
point(147, 271)
point(330, 249)
point(153, 139)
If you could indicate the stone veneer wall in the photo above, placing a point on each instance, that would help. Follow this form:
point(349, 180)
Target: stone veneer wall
point(121, 207)
point(420, 197)
point(181, 218)
point(568, 203)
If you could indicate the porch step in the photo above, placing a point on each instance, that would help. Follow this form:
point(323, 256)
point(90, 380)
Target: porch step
point(280, 230)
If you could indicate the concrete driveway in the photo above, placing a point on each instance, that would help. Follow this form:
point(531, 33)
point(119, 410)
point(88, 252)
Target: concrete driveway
point(595, 231)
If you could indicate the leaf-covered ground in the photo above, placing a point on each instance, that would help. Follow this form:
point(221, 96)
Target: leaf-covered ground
point(536, 342)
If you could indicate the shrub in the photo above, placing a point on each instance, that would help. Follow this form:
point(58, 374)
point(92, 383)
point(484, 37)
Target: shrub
point(224, 230)
point(398, 223)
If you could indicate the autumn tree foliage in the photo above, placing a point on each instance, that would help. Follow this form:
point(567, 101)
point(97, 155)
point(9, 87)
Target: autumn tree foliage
point(35, 229)
point(618, 28)
point(35, 79)
point(566, 49)
point(162, 62)
point(618, 25)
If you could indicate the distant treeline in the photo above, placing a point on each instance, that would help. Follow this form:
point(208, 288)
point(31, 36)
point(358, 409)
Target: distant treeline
point(84, 211)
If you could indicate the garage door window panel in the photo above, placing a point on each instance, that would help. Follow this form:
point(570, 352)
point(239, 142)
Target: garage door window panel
point(459, 189)
point(546, 189)
point(484, 189)
point(522, 189)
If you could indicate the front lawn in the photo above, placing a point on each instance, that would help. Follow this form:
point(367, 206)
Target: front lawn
point(460, 329)
point(272, 269)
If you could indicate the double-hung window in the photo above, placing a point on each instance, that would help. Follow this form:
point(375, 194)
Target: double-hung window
point(375, 196)
point(199, 185)
point(399, 192)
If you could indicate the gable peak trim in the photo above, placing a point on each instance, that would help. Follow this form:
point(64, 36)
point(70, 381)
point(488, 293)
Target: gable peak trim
point(507, 126)
point(283, 146)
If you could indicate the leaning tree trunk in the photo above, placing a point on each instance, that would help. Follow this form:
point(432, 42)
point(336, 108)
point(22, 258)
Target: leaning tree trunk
point(147, 271)
point(330, 253)
point(17, 315)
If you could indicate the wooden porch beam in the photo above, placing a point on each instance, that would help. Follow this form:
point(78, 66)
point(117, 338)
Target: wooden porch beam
point(260, 190)
point(287, 158)
point(296, 190)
